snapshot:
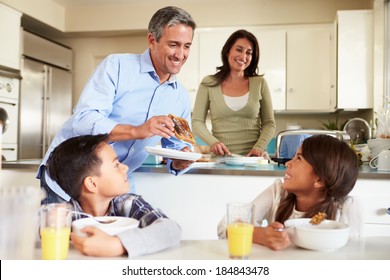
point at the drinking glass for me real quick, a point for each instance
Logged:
(55, 225)
(240, 229)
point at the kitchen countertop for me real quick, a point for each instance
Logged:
(365, 248)
(209, 168)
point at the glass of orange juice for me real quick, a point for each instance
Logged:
(55, 225)
(239, 229)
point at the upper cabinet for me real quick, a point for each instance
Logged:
(310, 70)
(188, 74)
(9, 37)
(355, 59)
(298, 63)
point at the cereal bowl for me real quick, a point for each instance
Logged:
(112, 228)
(327, 236)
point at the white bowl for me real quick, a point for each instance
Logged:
(327, 236)
(120, 224)
(374, 152)
(378, 142)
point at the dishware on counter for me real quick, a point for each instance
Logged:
(381, 161)
(120, 224)
(292, 139)
(240, 229)
(248, 161)
(326, 236)
(359, 130)
(174, 154)
(18, 221)
(55, 225)
(377, 145)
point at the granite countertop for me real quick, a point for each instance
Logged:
(208, 168)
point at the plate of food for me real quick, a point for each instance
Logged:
(182, 129)
(174, 154)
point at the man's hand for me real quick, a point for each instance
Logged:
(179, 164)
(157, 125)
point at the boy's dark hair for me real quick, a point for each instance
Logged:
(73, 160)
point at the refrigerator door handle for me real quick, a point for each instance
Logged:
(46, 109)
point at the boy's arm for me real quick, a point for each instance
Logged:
(98, 243)
(161, 234)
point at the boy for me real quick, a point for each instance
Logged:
(87, 168)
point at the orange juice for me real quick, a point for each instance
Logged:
(55, 243)
(240, 237)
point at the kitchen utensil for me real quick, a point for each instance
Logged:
(358, 129)
(98, 219)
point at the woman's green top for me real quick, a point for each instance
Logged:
(251, 127)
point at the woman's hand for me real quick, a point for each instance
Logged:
(97, 243)
(219, 149)
(269, 237)
(256, 153)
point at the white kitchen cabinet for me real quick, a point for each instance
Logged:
(297, 62)
(9, 37)
(189, 73)
(354, 59)
(375, 197)
(310, 85)
(272, 64)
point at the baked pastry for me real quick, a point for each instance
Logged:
(182, 129)
(318, 218)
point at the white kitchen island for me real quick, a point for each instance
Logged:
(197, 200)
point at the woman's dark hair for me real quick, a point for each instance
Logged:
(336, 164)
(75, 159)
(224, 70)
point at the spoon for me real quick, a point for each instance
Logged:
(90, 216)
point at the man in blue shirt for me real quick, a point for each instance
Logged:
(129, 97)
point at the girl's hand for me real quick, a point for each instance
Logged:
(269, 237)
(97, 243)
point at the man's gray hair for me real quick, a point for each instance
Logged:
(167, 17)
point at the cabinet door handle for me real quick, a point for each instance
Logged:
(291, 90)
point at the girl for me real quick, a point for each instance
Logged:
(318, 179)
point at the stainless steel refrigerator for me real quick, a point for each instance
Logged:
(45, 94)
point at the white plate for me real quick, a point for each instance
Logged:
(170, 153)
(237, 161)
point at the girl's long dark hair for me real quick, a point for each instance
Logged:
(224, 70)
(336, 164)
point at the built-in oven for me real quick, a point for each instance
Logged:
(9, 114)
